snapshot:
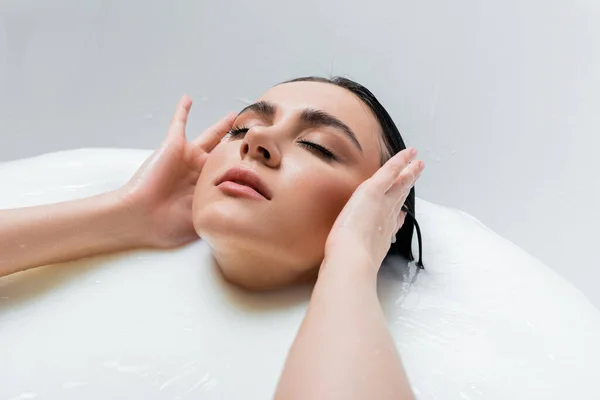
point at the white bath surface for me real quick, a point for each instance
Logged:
(484, 321)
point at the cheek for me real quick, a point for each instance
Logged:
(213, 166)
(216, 159)
(313, 200)
(216, 163)
(319, 197)
(327, 197)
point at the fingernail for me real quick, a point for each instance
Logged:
(413, 152)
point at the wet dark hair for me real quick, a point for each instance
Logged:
(393, 143)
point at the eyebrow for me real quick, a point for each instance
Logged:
(309, 116)
(262, 108)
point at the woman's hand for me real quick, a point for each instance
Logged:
(160, 193)
(373, 215)
(153, 209)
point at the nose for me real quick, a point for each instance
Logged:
(261, 146)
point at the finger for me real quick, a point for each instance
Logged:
(404, 183)
(179, 120)
(213, 135)
(385, 177)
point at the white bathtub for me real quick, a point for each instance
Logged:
(485, 320)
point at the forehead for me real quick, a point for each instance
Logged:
(341, 103)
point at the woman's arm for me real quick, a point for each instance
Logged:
(34, 236)
(343, 349)
(153, 209)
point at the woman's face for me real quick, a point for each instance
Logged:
(310, 144)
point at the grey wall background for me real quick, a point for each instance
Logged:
(502, 98)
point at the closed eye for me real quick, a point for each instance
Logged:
(321, 151)
(237, 131)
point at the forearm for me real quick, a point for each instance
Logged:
(41, 235)
(344, 349)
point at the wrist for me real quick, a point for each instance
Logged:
(355, 264)
(130, 224)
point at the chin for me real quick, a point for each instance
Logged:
(224, 220)
(249, 248)
(244, 264)
(253, 265)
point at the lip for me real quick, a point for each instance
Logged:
(243, 182)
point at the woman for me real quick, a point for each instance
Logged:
(307, 183)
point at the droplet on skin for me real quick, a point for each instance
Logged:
(379, 228)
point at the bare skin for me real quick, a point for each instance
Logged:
(153, 210)
(344, 349)
(286, 235)
(337, 214)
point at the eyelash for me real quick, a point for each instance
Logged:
(322, 151)
(237, 130)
